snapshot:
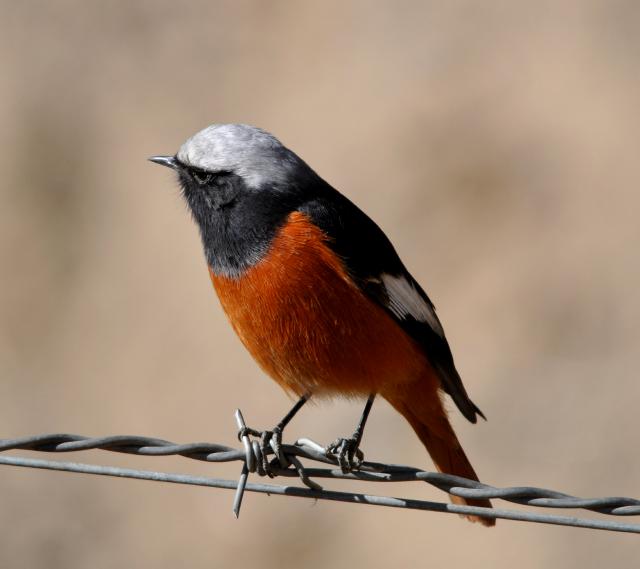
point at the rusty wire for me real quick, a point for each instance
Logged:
(308, 450)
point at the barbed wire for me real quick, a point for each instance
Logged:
(306, 449)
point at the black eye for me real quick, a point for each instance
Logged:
(201, 177)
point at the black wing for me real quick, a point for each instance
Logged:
(375, 266)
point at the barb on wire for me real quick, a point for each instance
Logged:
(308, 450)
(247, 466)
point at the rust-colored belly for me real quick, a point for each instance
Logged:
(309, 326)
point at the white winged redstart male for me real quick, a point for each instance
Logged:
(316, 292)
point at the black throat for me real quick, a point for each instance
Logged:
(237, 223)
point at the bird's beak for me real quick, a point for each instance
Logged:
(168, 161)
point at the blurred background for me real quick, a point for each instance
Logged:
(497, 145)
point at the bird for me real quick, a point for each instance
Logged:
(317, 294)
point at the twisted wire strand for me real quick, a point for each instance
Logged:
(309, 450)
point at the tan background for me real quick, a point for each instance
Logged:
(495, 142)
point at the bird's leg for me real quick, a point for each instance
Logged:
(347, 451)
(273, 439)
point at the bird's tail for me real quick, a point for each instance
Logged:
(426, 414)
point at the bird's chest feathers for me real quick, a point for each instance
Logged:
(303, 319)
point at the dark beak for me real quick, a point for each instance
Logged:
(168, 161)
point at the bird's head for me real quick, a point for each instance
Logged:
(240, 183)
(226, 160)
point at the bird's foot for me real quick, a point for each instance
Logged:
(268, 442)
(346, 453)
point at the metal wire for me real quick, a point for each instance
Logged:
(308, 450)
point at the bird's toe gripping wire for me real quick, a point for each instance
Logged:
(259, 449)
(346, 451)
(269, 441)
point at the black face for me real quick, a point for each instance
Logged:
(205, 191)
(237, 223)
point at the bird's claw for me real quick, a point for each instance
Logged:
(272, 440)
(268, 442)
(346, 453)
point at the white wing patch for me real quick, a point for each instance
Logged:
(405, 300)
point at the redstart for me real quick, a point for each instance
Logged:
(317, 293)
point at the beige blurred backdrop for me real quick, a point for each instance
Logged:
(497, 145)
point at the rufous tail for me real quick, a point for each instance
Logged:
(429, 420)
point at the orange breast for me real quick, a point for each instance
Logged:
(309, 326)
